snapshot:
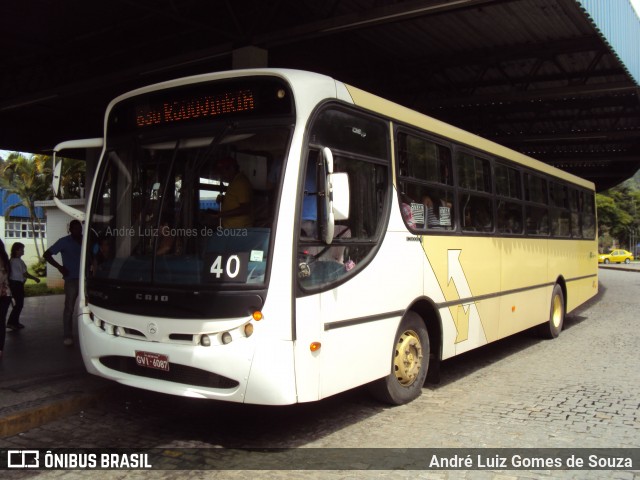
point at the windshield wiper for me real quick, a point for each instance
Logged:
(215, 143)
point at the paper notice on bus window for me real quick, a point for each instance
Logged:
(256, 256)
(417, 210)
(445, 216)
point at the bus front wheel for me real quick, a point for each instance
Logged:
(409, 363)
(553, 327)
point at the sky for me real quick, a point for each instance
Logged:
(635, 3)
(5, 153)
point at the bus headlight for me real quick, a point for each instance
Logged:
(205, 341)
(248, 329)
(226, 338)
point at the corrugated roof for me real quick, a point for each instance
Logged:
(619, 25)
(535, 75)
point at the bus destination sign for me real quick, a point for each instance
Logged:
(200, 103)
(200, 107)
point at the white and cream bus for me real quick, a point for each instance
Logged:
(275, 236)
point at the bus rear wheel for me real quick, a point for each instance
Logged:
(553, 327)
(409, 363)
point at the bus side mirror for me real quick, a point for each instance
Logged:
(336, 196)
(56, 182)
(340, 185)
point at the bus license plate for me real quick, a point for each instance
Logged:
(152, 360)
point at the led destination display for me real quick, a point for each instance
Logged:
(193, 104)
(193, 108)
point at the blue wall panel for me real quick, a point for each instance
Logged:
(620, 26)
(18, 212)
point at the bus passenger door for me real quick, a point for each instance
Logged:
(342, 278)
(340, 269)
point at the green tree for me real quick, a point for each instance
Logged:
(72, 177)
(619, 214)
(29, 179)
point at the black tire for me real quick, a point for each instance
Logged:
(606, 260)
(409, 363)
(553, 327)
(627, 261)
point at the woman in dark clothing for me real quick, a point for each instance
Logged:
(19, 275)
(5, 293)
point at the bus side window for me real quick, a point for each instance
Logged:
(509, 218)
(477, 215)
(437, 210)
(426, 196)
(537, 212)
(360, 146)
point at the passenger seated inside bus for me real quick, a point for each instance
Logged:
(236, 204)
(476, 215)
(509, 224)
(412, 212)
(437, 212)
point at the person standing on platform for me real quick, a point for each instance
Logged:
(19, 275)
(5, 293)
(69, 248)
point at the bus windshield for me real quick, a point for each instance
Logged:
(193, 211)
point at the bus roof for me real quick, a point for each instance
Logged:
(403, 114)
(379, 105)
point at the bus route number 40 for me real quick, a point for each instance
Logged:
(227, 267)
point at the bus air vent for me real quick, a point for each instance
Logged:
(181, 337)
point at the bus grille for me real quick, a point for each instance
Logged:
(177, 373)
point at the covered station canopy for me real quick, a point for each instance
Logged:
(555, 79)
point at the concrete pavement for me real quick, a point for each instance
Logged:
(41, 379)
(629, 267)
